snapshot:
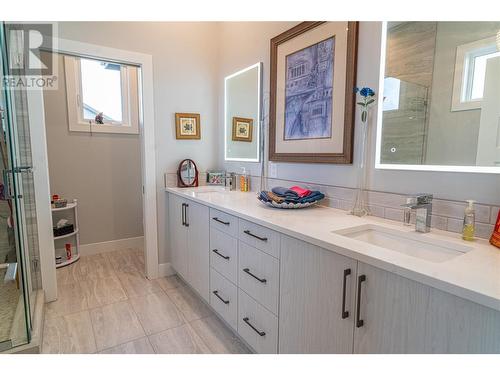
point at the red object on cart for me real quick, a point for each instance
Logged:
(68, 251)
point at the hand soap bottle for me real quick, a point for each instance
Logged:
(244, 180)
(469, 221)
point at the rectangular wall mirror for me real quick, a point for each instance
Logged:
(441, 97)
(242, 106)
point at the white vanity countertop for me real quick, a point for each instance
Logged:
(474, 275)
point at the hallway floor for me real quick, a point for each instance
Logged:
(106, 305)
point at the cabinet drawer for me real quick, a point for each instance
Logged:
(258, 275)
(260, 237)
(224, 298)
(224, 254)
(224, 222)
(257, 326)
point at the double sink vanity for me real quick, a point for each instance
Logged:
(321, 281)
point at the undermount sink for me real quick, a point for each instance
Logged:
(409, 243)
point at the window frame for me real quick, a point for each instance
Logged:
(130, 100)
(462, 80)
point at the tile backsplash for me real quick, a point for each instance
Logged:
(446, 214)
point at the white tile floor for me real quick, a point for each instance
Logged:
(106, 305)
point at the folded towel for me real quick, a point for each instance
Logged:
(264, 197)
(284, 192)
(313, 197)
(275, 197)
(269, 197)
(300, 191)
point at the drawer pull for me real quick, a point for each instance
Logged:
(183, 214)
(216, 293)
(345, 314)
(219, 254)
(220, 221)
(255, 236)
(247, 270)
(260, 333)
(186, 218)
(359, 322)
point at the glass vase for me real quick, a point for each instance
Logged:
(360, 206)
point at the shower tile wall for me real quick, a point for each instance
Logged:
(410, 58)
(28, 186)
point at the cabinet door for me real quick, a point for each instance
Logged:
(393, 311)
(403, 316)
(456, 325)
(197, 218)
(178, 235)
(312, 286)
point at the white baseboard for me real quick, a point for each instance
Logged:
(107, 246)
(165, 269)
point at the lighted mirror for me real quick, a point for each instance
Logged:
(440, 108)
(242, 114)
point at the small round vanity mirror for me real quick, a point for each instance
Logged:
(187, 174)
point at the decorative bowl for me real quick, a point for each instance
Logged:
(290, 205)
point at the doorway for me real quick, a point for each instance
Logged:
(146, 130)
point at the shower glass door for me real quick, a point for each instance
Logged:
(18, 247)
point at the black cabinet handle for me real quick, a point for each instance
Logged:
(345, 314)
(255, 236)
(186, 215)
(260, 333)
(216, 293)
(220, 221)
(183, 214)
(247, 270)
(219, 254)
(359, 322)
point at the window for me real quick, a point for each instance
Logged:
(392, 88)
(97, 75)
(102, 96)
(470, 73)
(477, 73)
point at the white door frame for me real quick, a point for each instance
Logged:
(38, 142)
(147, 131)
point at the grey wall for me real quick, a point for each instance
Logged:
(102, 171)
(245, 43)
(452, 136)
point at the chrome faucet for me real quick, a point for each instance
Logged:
(422, 204)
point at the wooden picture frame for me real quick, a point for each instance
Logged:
(344, 154)
(187, 126)
(238, 121)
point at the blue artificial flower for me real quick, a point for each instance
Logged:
(356, 90)
(366, 91)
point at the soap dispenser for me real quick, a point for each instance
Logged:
(469, 221)
(244, 180)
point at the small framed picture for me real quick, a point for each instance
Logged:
(215, 177)
(187, 126)
(242, 129)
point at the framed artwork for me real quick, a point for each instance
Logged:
(215, 177)
(187, 126)
(312, 99)
(242, 129)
